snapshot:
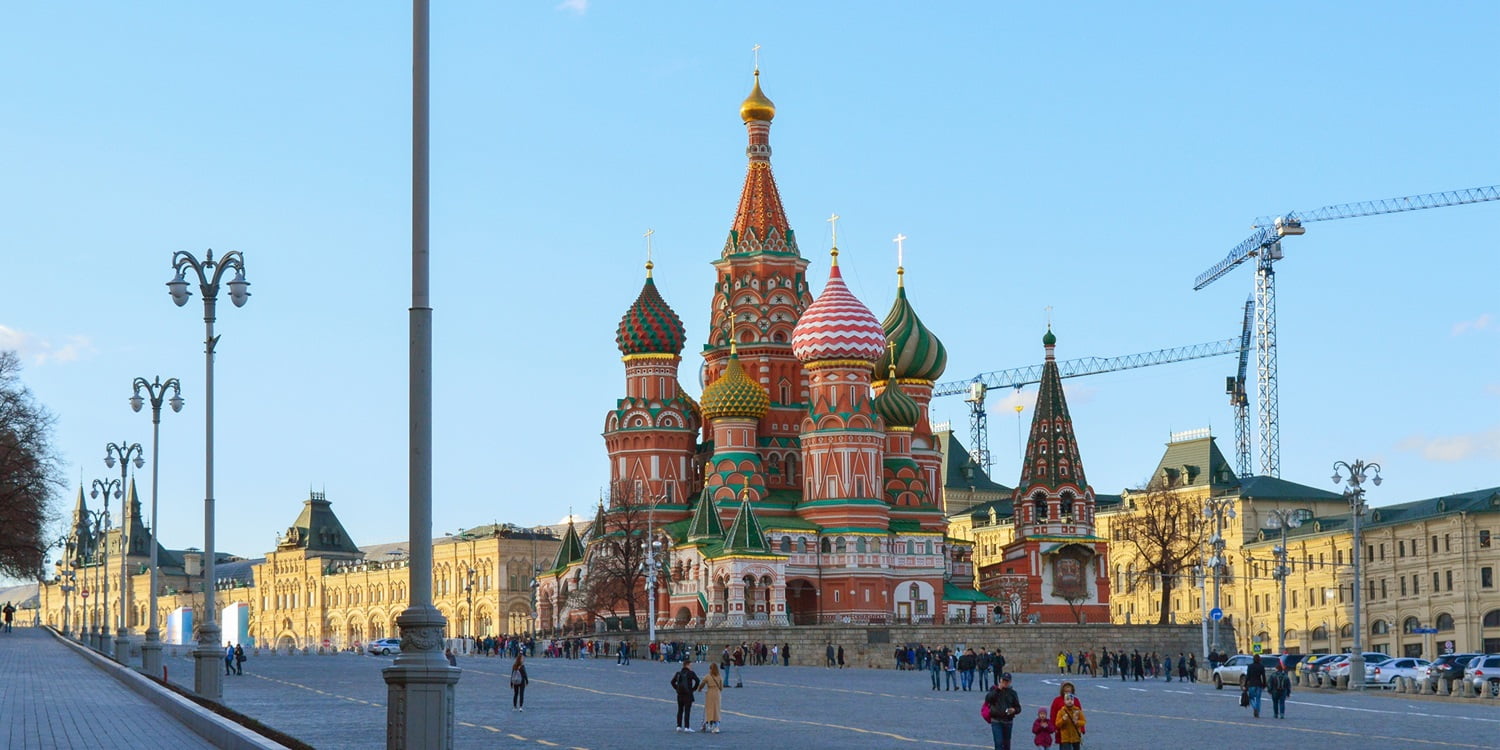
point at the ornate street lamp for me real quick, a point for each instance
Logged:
(1282, 519)
(206, 680)
(98, 634)
(125, 452)
(1216, 508)
(1355, 494)
(155, 391)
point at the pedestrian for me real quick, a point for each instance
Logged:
(830, 656)
(1004, 705)
(1255, 682)
(1064, 692)
(985, 663)
(841, 657)
(950, 668)
(739, 665)
(713, 691)
(786, 654)
(1122, 662)
(1279, 685)
(518, 681)
(685, 682)
(239, 659)
(452, 657)
(1062, 663)
(966, 666)
(1070, 724)
(10, 614)
(935, 667)
(1042, 729)
(1182, 667)
(1192, 667)
(229, 659)
(1166, 667)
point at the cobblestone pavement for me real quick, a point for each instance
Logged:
(52, 697)
(339, 702)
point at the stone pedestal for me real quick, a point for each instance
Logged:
(419, 685)
(151, 655)
(208, 664)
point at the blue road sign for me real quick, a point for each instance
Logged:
(1216, 614)
(1424, 630)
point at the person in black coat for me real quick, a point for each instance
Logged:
(1004, 706)
(1255, 682)
(685, 682)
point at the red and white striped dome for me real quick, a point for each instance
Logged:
(838, 326)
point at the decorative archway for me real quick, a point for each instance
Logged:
(802, 601)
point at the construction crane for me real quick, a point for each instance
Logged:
(1235, 387)
(1265, 246)
(975, 388)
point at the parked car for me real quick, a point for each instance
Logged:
(1402, 666)
(385, 646)
(1340, 668)
(1292, 661)
(1318, 663)
(1448, 667)
(1483, 673)
(1233, 670)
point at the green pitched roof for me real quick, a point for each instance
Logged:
(317, 529)
(705, 524)
(570, 551)
(745, 534)
(954, 593)
(1194, 463)
(1273, 488)
(962, 473)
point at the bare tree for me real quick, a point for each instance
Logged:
(615, 577)
(1166, 530)
(30, 474)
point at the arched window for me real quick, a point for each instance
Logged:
(1445, 623)
(1410, 624)
(928, 547)
(827, 546)
(1039, 504)
(786, 544)
(1492, 619)
(860, 545)
(875, 546)
(840, 546)
(1067, 504)
(1320, 633)
(1380, 627)
(916, 593)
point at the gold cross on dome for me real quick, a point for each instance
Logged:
(649, 264)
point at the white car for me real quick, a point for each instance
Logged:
(385, 646)
(1232, 671)
(1402, 666)
(1483, 673)
(1373, 659)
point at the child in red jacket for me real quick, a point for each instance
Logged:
(1042, 728)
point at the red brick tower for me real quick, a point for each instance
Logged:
(1066, 565)
(652, 433)
(761, 288)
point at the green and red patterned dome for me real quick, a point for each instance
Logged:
(650, 326)
(734, 394)
(919, 353)
(895, 407)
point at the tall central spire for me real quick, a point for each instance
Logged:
(760, 224)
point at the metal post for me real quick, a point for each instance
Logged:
(1355, 494)
(1281, 573)
(151, 648)
(420, 684)
(124, 451)
(1203, 600)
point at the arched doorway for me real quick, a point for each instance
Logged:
(802, 602)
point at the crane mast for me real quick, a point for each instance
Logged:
(1264, 245)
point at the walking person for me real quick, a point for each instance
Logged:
(841, 657)
(1255, 682)
(712, 688)
(738, 657)
(1182, 667)
(239, 658)
(518, 681)
(1070, 724)
(966, 665)
(1062, 663)
(935, 667)
(1042, 729)
(685, 682)
(786, 654)
(229, 659)
(830, 656)
(1192, 667)
(984, 663)
(10, 614)
(1004, 705)
(1279, 685)
(950, 668)
(1166, 667)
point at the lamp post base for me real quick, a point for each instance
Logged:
(151, 654)
(122, 645)
(208, 659)
(1356, 672)
(420, 685)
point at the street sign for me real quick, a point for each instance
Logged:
(1447, 647)
(1255, 649)
(1424, 630)
(1216, 614)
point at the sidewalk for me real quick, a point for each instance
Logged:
(52, 697)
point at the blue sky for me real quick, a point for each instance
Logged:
(1092, 158)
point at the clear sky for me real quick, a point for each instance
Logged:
(1093, 158)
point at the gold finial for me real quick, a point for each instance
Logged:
(1049, 317)
(900, 239)
(891, 373)
(733, 340)
(649, 264)
(756, 51)
(833, 220)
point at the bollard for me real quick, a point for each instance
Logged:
(1444, 686)
(1342, 683)
(1399, 685)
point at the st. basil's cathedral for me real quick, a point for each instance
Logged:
(807, 485)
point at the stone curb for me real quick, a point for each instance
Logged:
(212, 727)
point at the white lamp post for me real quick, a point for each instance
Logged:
(206, 658)
(1355, 494)
(155, 390)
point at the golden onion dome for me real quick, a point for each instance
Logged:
(756, 105)
(734, 394)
